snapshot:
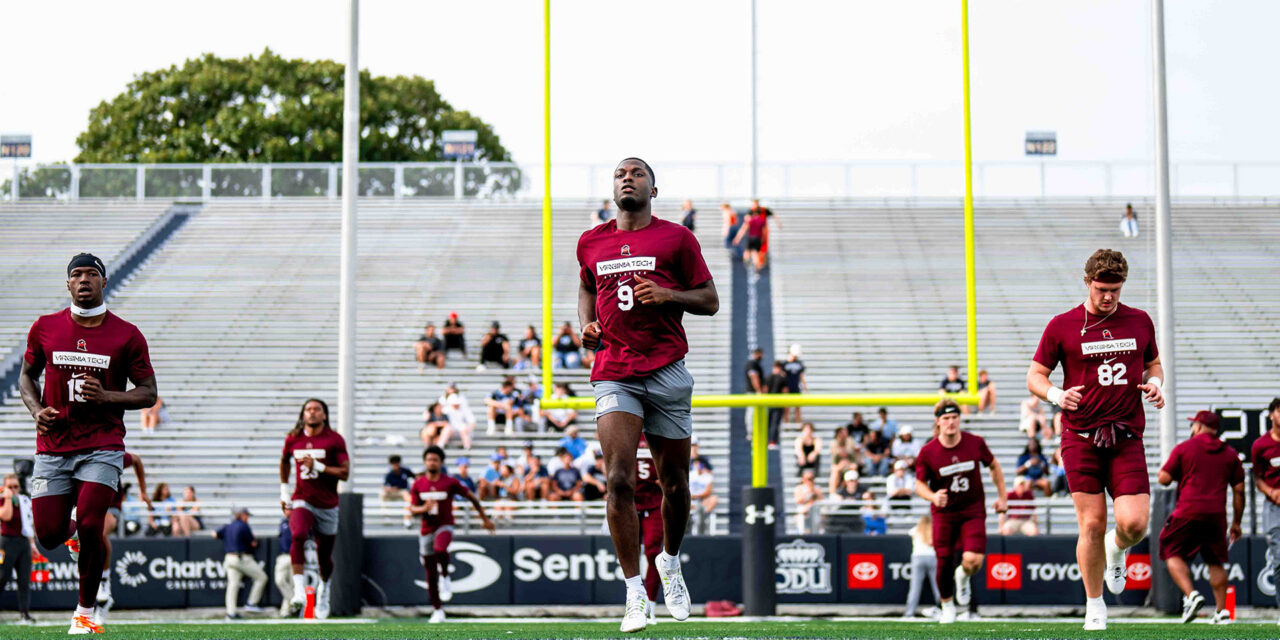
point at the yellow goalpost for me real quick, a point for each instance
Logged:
(759, 463)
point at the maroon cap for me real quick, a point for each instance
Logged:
(1206, 418)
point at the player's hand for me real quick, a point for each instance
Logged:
(1233, 534)
(591, 335)
(91, 390)
(1002, 505)
(648, 292)
(487, 524)
(308, 462)
(1152, 394)
(284, 508)
(940, 499)
(150, 507)
(45, 419)
(1070, 400)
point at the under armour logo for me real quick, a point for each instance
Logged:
(755, 513)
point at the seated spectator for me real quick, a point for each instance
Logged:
(560, 419)
(986, 393)
(1031, 421)
(841, 444)
(690, 219)
(463, 474)
(508, 490)
(900, 487)
(887, 427)
(188, 519)
(846, 518)
(876, 460)
(435, 428)
(526, 454)
(1057, 474)
(573, 444)
(1033, 466)
(702, 496)
(535, 480)
(455, 334)
(504, 407)
(594, 483)
(458, 411)
(850, 488)
(603, 214)
(806, 494)
(566, 481)
(395, 484)
(873, 517)
(1021, 516)
(567, 346)
(695, 455)
(796, 383)
(587, 460)
(776, 383)
(953, 383)
(154, 416)
(429, 349)
(530, 354)
(905, 447)
(808, 450)
(530, 402)
(489, 480)
(841, 466)
(495, 348)
(857, 428)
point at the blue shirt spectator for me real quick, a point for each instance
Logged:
(397, 476)
(286, 536)
(493, 471)
(575, 445)
(887, 426)
(236, 536)
(464, 474)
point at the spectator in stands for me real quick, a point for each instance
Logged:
(845, 518)
(238, 546)
(728, 224)
(850, 486)
(986, 393)
(429, 349)
(1034, 466)
(1021, 516)
(753, 231)
(1031, 420)
(535, 480)
(846, 455)
(504, 407)
(435, 428)
(530, 354)
(154, 416)
(508, 490)
(531, 401)
(1129, 222)
(905, 447)
(603, 214)
(689, 219)
(188, 519)
(572, 443)
(458, 411)
(900, 487)
(877, 458)
(594, 481)
(487, 483)
(887, 426)
(395, 484)
(808, 449)
(463, 474)
(755, 372)
(873, 516)
(495, 348)
(953, 383)
(567, 346)
(806, 494)
(526, 454)
(560, 419)
(702, 496)
(566, 481)
(695, 455)
(857, 428)
(924, 564)
(455, 334)
(776, 383)
(796, 382)
(1057, 474)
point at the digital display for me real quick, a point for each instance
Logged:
(1041, 143)
(12, 146)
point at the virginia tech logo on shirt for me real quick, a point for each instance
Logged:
(1109, 346)
(624, 265)
(81, 360)
(81, 345)
(626, 249)
(1106, 334)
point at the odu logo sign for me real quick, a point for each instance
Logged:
(802, 567)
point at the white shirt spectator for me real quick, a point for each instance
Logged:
(457, 410)
(699, 481)
(902, 449)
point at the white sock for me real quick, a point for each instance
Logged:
(299, 586)
(84, 611)
(323, 587)
(668, 559)
(635, 584)
(1112, 545)
(1095, 604)
(106, 574)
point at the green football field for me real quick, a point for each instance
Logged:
(669, 629)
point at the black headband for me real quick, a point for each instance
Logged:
(86, 260)
(946, 409)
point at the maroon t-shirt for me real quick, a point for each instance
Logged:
(639, 339)
(114, 352)
(1266, 459)
(317, 489)
(648, 491)
(958, 470)
(1204, 467)
(117, 501)
(442, 490)
(1020, 511)
(12, 526)
(1109, 360)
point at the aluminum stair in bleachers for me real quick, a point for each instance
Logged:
(876, 297)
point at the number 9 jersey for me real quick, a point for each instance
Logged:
(958, 470)
(638, 338)
(1109, 359)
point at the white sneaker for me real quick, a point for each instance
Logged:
(962, 587)
(253, 608)
(653, 617)
(104, 592)
(1191, 605)
(1221, 617)
(1114, 575)
(446, 589)
(674, 592)
(437, 616)
(948, 612)
(83, 625)
(634, 619)
(99, 615)
(1095, 619)
(968, 616)
(297, 604)
(322, 601)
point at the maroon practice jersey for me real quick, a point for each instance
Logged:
(441, 490)
(117, 501)
(1204, 467)
(1266, 459)
(1109, 360)
(648, 491)
(13, 526)
(317, 489)
(639, 339)
(113, 352)
(958, 470)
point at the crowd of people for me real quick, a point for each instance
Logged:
(435, 347)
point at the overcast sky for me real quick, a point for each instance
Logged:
(669, 79)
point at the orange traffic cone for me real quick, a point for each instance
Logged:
(310, 611)
(1231, 602)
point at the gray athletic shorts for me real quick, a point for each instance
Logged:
(426, 543)
(55, 475)
(115, 512)
(664, 399)
(326, 519)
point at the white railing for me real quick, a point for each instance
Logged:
(708, 180)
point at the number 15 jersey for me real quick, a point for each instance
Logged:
(958, 470)
(639, 339)
(1109, 359)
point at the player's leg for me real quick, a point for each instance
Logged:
(1130, 487)
(651, 534)
(104, 587)
(91, 511)
(1218, 582)
(52, 499)
(301, 523)
(618, 432)
(1091, 517)
(427, 553)
(326, 539)
(231, 562)
(440, 549)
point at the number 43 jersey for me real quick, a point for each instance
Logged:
(1108, 359)
(638, 338)
(958, 470)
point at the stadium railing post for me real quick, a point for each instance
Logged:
(348, 556)
(759, 585)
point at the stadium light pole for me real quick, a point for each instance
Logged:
(755, 128)
(1164, 231)
(350, 187)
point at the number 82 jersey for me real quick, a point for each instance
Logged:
(639, 339)
(957, 469)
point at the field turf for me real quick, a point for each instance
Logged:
(665, 629)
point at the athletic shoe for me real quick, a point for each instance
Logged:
(969, 616)
(253, 608)
(948, 612)
(82, 625)
(233, 617)
(1114, 574)
(1221, 617)
(962, 587)
(634, 619)
(1095, 620)
(296, 604)
(322, 601)
(674, 592)
(26, 619)
(649, 610)
(446, 589)
(99, 615)
(104, 592)
(437, 616)
(1191, 605)
(73, 546)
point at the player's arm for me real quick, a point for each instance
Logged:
(475, 502)
(141, 473)
(29, 386)
(1165, 478)
(342, 470)
(1153, 379)
(591, 330)
(1039, 386)
(6, 511)
(1237, 511)
(1265, 489)
(755, 382)
(1002, 495)
(141, 396)
(936, 498)
(701, 300)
